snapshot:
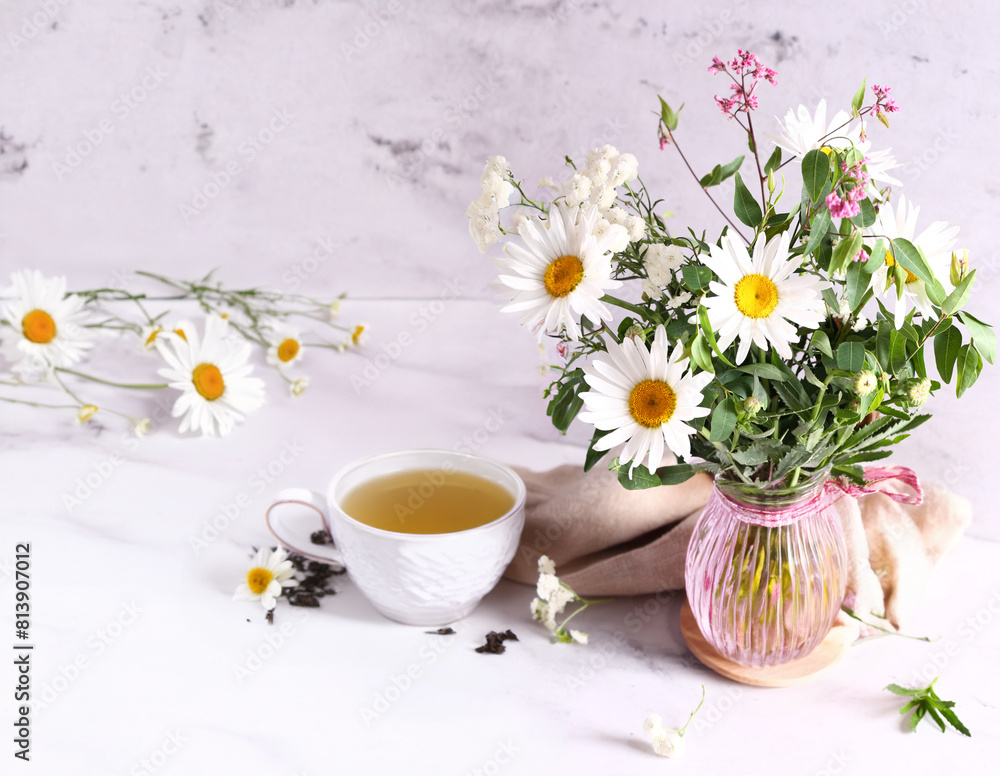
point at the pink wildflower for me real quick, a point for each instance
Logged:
(842, 208)
(717, 66)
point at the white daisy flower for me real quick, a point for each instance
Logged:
(269, 574)
(359, 335)
(213, 377)
(559, 271)
(878, 165)
(760, 299)
(802, 131)
(149, 334)
(616, 235)
(936, 242)
(285, 345)
(644, 399)
(44, 327)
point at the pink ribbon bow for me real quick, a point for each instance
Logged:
(875, 475)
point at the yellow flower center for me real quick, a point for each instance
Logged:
(356, 334)
(756, 296)
(891, 262)
(258, 579)
(208, 381)
(563, 275)
(38, 327)
(652, 403)
(288, 350)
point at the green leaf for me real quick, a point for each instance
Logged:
(815, 173)
(567, 403)
(593, 456)
(958, 298)
(946, 347)
(935, 716)
(956, 723)
(709, 334)
(701, 353)
(675, 475)
(969, 364)
(876, 258)
(668, 116)
(696, 276)
(818, 229)
(858, 100)
(936, 292)
(721, 172)
(907, 255)
(900, 690)
(794, 457)
(745, 206)
(847, 248)
(851, 356)
(897, 352)
(774, 161)
(857, 284)
(821, 341)
(764, 371)
(723, 421)
(866, 217)
(641, 478)
(982, 334)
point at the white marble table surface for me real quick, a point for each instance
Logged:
(378, 143)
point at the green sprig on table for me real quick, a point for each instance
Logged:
(925, 702)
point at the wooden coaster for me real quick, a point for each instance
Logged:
(830, 652)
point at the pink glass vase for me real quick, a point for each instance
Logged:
(766, 570)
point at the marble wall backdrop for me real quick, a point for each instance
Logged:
(251, 136)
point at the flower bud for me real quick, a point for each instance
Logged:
(85, 413)
(918, 392)
(855, 405)
(636, 332)
(959, 267)
(752, 406)
(865, 382)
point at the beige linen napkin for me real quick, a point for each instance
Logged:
(608, 541)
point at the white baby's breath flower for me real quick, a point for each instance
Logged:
(141, 426)
(269, 573)
(680, 300)
(661, 260)
(577, 190)
(579, 636)
(651, 724)
(484, 222)
(667, 743)
(333, 309)
(651, 289)
(298, 387)
(541, 611)
(636, 228)
(548, 584)
(615, 234)
(546, 565)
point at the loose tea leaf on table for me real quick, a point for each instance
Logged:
(925, 702)
(494, 642)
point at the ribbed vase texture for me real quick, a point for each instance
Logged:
(766, 573)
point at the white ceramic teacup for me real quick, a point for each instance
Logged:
(418, 579)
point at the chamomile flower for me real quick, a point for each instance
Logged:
(270, 572)
(86, 412)
(285, 345)
(359, 335)
(762, 299)
(149, 334)
(936, 242)
(213, 377)
(802, 131)
(644, 398)
(558, 271)
(44, 327)
(298, 387)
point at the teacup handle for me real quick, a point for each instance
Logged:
(284, 518)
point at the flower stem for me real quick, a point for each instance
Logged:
(138, 386)
(625, 305)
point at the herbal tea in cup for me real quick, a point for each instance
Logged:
(424, 534)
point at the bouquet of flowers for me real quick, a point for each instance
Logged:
(47, 331)
(796, 342)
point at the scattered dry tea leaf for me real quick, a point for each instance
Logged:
(441, 632)
(494, 642)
